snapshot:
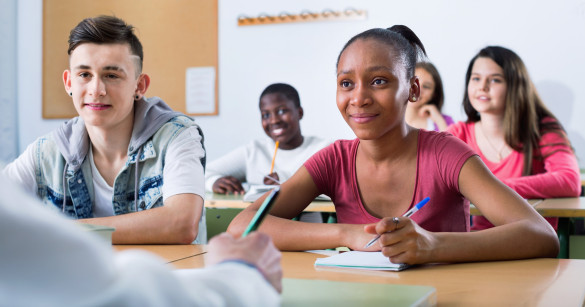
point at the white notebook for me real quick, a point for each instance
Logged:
(256, 190)
(361, 260)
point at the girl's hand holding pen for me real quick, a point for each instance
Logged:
(403, 240)
(408, 213)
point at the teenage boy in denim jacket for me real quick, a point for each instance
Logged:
(126, 161)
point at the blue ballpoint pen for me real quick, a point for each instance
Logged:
(407, 214)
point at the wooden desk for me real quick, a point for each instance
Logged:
(562, 207)
(219, 201)
(545, 282)
(291, 274)
(474, 211)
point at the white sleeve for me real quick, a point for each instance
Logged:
(62, 265)
(231, 164)
(22, 170)
(183, 171)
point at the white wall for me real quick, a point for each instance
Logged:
(8, 127)
(548, 35)
(29, 78)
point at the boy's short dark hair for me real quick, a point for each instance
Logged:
(106, 30)
(285, 89)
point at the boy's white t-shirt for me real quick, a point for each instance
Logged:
(103, 192)
(250, 163)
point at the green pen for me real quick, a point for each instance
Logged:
(262, 212)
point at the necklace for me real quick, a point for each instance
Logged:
(498, 152)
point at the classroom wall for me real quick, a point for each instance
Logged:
(8, 128)
(548, 35)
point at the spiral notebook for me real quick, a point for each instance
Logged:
(361, 260)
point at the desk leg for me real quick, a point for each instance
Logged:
(563, 231)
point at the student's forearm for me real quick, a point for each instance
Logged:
(153, 226)
(498, 243)
(560, 179)
(292, 235)
(558, 183)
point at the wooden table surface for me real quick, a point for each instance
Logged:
(213, 200)
(169, 253)
(543, 282)
(553, 207)
(533, 202)
(546, 282)
(562, 207)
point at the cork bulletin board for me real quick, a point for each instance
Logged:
(177, 36)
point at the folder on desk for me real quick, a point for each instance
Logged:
(104, 232)
(306, 292)
(361, 260)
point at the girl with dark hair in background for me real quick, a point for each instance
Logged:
(425, 112)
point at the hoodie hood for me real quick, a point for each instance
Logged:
(149, 115)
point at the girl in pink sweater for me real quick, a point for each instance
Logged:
(516, 136)
(377, 177)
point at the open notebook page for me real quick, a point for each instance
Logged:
(361, 260)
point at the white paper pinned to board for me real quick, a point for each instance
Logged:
(200, 90)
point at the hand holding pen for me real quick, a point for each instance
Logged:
(396, 220)
(272, 179)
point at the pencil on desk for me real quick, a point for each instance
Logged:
(273, 157)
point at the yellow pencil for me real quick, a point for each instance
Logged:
(273, 157)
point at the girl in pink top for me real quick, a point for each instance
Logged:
(391, 166)
(516, 136)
